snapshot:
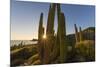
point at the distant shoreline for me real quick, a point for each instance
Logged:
(23, 42)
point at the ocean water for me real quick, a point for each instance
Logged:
(24, 42)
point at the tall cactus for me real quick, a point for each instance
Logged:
(76, 33)
(41, 29)
(61, 34)
(40, 35)
(50, 34)
(81, 35)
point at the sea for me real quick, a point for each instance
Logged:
(24, 42)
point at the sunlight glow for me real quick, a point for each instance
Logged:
(44, 36)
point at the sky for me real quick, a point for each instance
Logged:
(25, 18)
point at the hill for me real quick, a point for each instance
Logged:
(88, 34)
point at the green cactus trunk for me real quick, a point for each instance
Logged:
(62, 34)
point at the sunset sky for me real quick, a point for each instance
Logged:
(25, 18)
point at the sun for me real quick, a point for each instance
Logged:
(44, 36)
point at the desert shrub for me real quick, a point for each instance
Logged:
(22, 53)
(86, 50)
(17, 62)
(33, 59)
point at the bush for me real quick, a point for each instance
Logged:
(86, 50)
